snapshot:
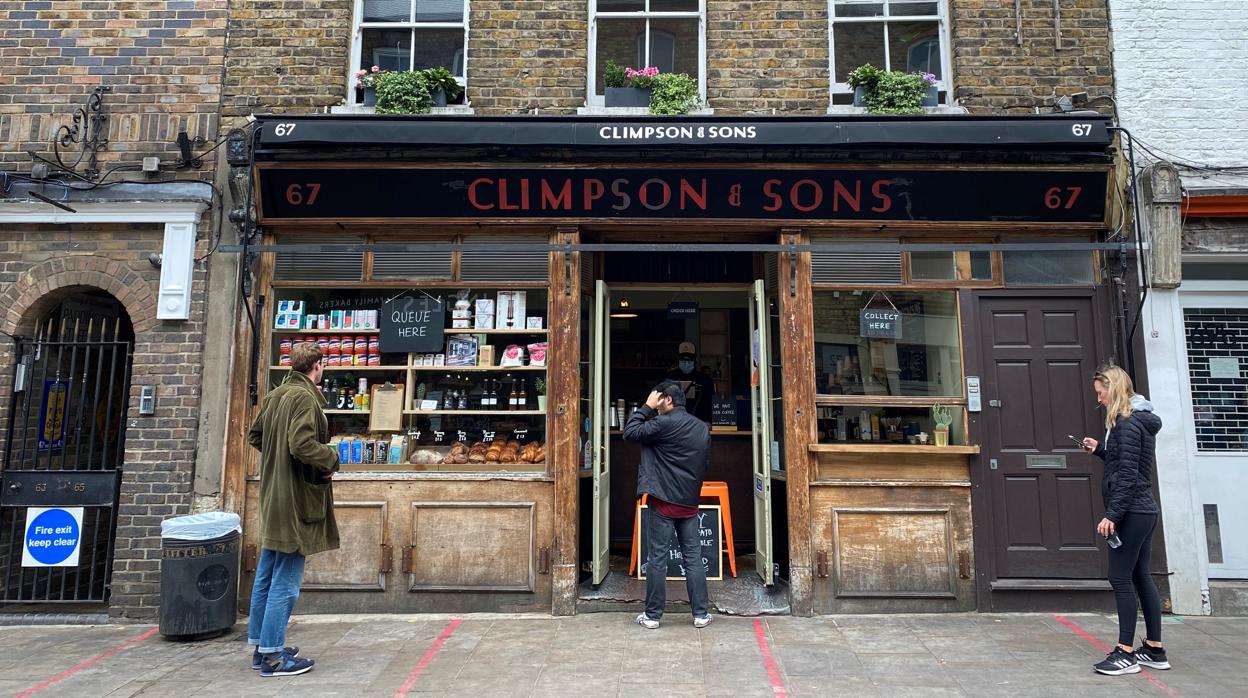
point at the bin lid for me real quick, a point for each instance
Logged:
(212, 524)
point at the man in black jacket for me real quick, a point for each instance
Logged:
(675, 452)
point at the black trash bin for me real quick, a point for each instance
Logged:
(199, 575)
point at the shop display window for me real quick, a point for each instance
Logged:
(475, 402)
(883, 361)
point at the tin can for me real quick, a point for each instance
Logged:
(333, 359)
(374, 359)
(284, 345)
(361, 346)
(334, 343)
(285, 360)
(322, 343)
(374, 345)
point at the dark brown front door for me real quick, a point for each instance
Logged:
(1039, 354)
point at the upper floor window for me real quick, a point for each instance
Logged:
(907, 35)
(411, 35)
(668, 34)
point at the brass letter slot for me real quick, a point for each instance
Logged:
(1057, 462)
(387, 560)
(821, 564)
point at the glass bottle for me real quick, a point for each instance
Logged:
(448, 400)
(513, 399)
(461, 402)
(522, 402)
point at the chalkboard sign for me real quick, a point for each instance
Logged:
(710, 534)
(880, 324)
(724, 413)
(412, 324)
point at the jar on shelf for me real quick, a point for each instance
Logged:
(284, 345)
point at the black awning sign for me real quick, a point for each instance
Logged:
(879, 324)
(572, 193)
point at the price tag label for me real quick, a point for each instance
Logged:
(438, 436)
(521, 434)
(462, 435)
(487, 436)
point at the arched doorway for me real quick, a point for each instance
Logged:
(64, 429)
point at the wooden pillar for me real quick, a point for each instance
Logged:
(797, 393)
(564, 419)
(238, 453)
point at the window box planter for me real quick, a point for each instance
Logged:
(627, 97)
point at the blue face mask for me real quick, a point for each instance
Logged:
(685, 366)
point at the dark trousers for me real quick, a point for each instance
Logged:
(1128, 573)
(659, 531)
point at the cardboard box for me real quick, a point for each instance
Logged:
(461, 350)
(485, 355)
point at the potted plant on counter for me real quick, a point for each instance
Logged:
(539, 384)
(404, 92)
(942, 418)
(442, 86)
(626, 87)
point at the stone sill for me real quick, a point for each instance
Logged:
(632, 111)
(845, 109)
(359, 109)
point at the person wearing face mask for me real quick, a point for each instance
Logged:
(699, 388)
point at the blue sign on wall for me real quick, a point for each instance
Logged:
(53, 537)
(52, 416)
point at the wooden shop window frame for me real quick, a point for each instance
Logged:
(962, 266)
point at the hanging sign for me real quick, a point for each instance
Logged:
(52, 415)
(53, 537)
(682, 310)
(877, 323)
(412, 324)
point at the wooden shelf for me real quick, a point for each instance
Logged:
(479, 369)
(463, 331)
(877, 447)
(353, 368)
(326, 332)
(886, 400)
(477, 412)
(363, 412)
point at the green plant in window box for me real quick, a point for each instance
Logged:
(442, 85)
(405, 92)
(892, 91)
(942, 418)
(673, 93)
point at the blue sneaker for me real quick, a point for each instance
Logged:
(257, 659)
(285, 665)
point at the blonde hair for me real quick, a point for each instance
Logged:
(1120, 389)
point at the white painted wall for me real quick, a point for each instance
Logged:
(1179, 74)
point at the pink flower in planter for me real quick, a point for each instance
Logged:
(359, 85)
(376, 69)
(360, 73)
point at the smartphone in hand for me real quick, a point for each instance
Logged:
(1077, 440)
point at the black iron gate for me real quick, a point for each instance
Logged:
(63, 450)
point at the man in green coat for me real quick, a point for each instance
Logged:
(296, 506)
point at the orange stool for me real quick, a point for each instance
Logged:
(717, 491)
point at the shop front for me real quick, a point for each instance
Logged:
(888, 324)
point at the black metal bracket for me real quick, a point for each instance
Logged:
(87, 134)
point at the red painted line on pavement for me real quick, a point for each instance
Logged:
(769, 661)
(1152, 678)
(87, 664)
(432, 652)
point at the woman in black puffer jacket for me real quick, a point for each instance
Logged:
(1130, 453)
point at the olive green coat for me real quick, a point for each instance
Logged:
(296, 500)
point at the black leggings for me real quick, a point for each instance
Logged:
(1128, 573)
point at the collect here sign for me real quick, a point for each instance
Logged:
(53, 537)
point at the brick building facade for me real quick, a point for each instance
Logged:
(161, 64)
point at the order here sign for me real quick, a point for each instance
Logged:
(53, 537)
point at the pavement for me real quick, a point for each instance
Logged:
(605, 654)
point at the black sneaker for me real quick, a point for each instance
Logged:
(1153, 657)
(285, 665)
(257, 659)
(1117, 663)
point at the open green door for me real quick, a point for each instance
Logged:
(600, 426)
(761, 431)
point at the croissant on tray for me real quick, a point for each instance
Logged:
(493, 453)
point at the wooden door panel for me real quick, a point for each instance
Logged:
(1040, 354)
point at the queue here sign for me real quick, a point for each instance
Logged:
(53, 537)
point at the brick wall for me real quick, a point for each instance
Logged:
(767, 54)
(162, 60)
(39, 266)
(1178, 81)
(1217, 356)
(993, 73)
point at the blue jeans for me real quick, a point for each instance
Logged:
(278, 576)
(659, 531)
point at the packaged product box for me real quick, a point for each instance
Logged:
(483, 322)
(485, 355)
(461, 350)
(357, 451)
(509, 313)
(534, 323)
(398, 449)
